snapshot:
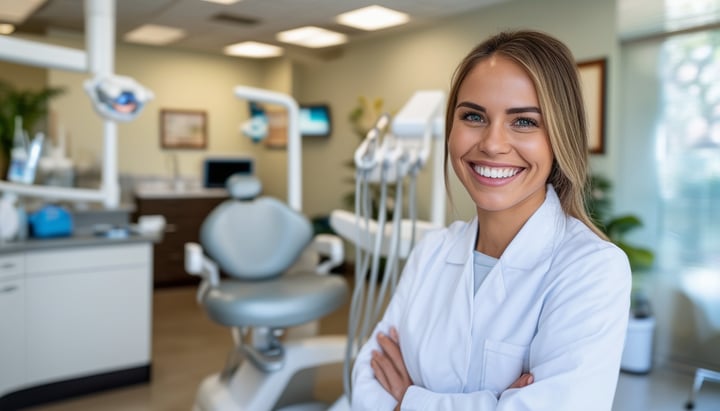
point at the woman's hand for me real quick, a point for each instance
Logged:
(522, 381)
(389, 367)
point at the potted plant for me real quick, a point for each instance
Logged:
(637, 353)
(30, 105)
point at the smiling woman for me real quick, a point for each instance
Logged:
(529, 294)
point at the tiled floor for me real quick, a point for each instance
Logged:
(187, 347)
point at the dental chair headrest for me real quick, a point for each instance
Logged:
(243, 186)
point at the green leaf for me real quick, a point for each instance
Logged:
(617, 227)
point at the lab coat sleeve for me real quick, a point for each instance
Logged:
(575, 354)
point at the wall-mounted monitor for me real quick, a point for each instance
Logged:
(315, 120)
(216, 170)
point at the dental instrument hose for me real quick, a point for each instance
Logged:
(368, 321)
(391, 262)
(362, 258)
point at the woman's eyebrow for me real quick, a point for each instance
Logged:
(514, 110)
(517, 110)
(471, 105)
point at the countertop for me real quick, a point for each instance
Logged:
(164, 190)
(88, 240)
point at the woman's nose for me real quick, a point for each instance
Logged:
(494, 140)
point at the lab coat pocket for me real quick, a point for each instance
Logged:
(503, 364)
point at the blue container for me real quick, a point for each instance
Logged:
(51, 221)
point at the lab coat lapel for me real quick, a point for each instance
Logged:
(461, 253)
(532, 248)
(530, 251)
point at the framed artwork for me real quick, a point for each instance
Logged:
(277, 128)
(592, 78)
(183, 129)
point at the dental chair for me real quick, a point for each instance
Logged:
(257, 243)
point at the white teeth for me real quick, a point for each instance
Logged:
(496, 172)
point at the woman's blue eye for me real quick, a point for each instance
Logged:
(475, 117)
(526, 122)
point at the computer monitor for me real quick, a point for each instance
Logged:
(315, 120)
(218, 169)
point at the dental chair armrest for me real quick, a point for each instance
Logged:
(196, 263)
(330, 246)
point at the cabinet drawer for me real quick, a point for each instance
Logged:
(12, 334)
(11, 265)
(88, 258)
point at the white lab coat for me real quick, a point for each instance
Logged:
(556, 304)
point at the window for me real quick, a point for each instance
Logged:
(688, 149)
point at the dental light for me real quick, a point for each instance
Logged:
(256, 128)
(117, 98)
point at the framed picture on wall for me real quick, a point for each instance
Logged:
(277, 136)
(592, 77)
(183, 129)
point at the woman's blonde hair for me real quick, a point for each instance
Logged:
(553, 71)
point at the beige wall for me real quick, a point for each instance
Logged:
(22, 77)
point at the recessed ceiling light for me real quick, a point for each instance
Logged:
(253, 49)
(373, 18)
(311, 36)
(6, 28)
(154, 34)
(223, 1)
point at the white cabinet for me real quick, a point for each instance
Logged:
(72, 312)
(12, 327)
(88, 311)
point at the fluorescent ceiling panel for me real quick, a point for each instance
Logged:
(372, 18)
(16, 11)
(154, 35)
(310, 36)
(253, 49)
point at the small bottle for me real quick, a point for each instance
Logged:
(18, 154)
(33, 158)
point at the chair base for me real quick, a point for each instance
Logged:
(250, 389)
(701, 375)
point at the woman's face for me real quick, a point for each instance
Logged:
(498, 144)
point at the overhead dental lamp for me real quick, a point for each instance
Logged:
(256, 127)
(117, 98)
